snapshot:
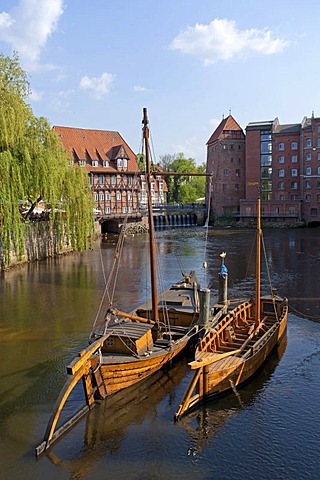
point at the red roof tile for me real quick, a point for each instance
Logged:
(86, 144)
(228, 123)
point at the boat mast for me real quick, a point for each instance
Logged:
(258, 263)
(155, 313)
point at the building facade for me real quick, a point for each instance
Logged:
(282, 166)
(118, 184)
(226, 164)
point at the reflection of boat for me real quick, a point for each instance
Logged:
(128, 347)
(109, 424)
(233, 351)
(205, 422)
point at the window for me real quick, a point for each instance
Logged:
(94, 163)
(119, 163)
(225, 172)
(308, 171)
(160, 185)
(294, 197)
(318, 128)
(101, 196)
(129, 196)
(105, 163)
(318, 142)
(281, 159)
(318, 184)
(118, 197)
(266, 160)
(125, 163)
(266, 172)
(95, 197)
(143, 186)
(101, 179)
(266, 147)
(237, 172)
(124, 209)
(130, 179)
(318, 156)
(82, 163)
(107, 210)
(265, 136)
(318, 198)
(314, 212)
(107, 196)
(294, 145)
(294, 185)
(152, 185)
(308, 143)
(308, 185)
(109, 342)
(281, 147)
(281, 172)
(281, 186)
(113, 180)
(292, 211)
(308, 157)
(236, 186)
(294, 158)
(224, 187)
(294, 172)
(281, 197)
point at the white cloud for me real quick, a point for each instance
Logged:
(139, 88)
(27, 27)
(60, 102)
(98, 86)
(222, 40)
(191, 148)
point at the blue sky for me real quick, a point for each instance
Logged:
(96, 64)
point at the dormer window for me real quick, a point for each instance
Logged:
(122, 163)
(105, 163)
(94, 163)
(82, 163)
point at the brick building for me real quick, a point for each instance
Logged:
(226, 163)
(117, 183)
(282, 165)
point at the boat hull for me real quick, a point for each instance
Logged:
(118, 375)
(224, 375)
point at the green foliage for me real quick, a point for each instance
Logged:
(35, 168)
(184, 188)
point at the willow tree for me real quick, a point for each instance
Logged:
(35, 168)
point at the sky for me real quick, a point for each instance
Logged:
(96, 64)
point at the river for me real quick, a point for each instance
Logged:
(270, 430)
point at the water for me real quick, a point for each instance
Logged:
(270, 431)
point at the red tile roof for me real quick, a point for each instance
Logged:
(86, 144)
(228, 123)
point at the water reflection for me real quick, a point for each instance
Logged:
(46, 314)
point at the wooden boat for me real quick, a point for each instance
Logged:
(235, 349)
(126, 348)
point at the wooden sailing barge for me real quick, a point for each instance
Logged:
(128, 347)
(234, 350)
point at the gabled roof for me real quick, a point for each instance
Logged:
(87, 144)
(227, 124)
